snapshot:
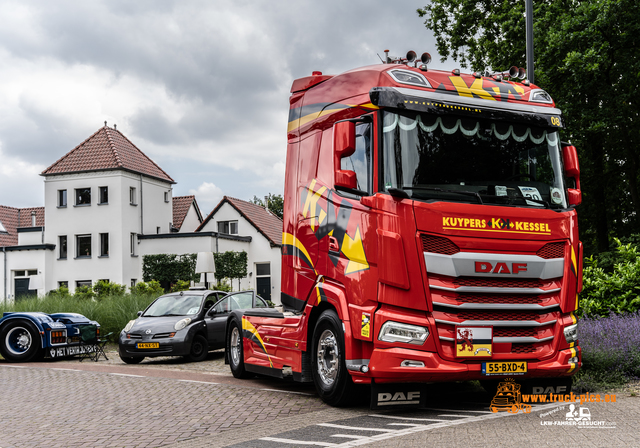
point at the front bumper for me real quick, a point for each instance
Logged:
(179, 345)
(385, 367)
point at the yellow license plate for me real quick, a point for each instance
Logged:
(148, 345)
(504, 368)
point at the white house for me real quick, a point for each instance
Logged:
(106, 206)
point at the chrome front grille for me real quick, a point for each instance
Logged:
(522, 309)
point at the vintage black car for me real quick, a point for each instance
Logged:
(187, 323)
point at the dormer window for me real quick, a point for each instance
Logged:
(83, 196)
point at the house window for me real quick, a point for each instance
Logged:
(132, 241)
(63, 283)
(32, 272)
(133, 282)
(83, 246)
(228, 227)
(104, 244)
(62, 198)
(132, 196)
(166, 196)
(104, 195)
(80, 283)
(62, 244)
(83, 196)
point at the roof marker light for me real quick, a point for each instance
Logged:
(316, 73)
(456, 72)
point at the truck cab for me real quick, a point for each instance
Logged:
(430, 233)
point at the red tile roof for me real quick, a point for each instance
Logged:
(264, 221)
(181, 205)
(12, 218)
(107, 149)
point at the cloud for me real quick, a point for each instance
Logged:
(200, 86)
(208, 196)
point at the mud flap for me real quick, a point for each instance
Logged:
(398, 396)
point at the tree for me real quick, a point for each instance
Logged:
(275, 204)
(231, 265)
(169, 268)
(587, 58)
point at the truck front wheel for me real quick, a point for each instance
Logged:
(20, 342)
(333, 382)
(235, 350)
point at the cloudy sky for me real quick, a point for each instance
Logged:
(201, 87)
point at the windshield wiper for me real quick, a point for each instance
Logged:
(463, 192)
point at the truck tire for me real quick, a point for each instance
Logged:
(330, 376)
(20, 342)
(132, 360)
(199, 349)
(235, 350)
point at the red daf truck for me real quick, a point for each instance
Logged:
(430, 234)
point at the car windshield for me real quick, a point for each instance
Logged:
(456, 158)
(185, 305)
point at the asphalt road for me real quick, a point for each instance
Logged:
(170, 403)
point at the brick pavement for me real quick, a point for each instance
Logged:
(43, 407)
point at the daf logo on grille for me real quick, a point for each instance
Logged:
(500, 268)
(148, 332)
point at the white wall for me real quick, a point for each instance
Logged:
(260, 250)
(23, 260)
(119, 218)
(191, 221)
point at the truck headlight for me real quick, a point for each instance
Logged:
(571, 333)
(182, 323)
(405, 333)
(129, 326)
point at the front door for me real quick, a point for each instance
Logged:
(263, 287)
(22, 290)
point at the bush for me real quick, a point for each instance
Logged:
(610, 351)
(169, 268)
(104, 289)
(180, 285)
(84, 293)
(147, 288)
(221, 286)
(611, 282)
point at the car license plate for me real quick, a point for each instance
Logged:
(148, 345)
(504, 368)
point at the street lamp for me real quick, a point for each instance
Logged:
(529, 30)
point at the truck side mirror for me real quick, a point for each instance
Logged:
(344, 145)
(572, 170)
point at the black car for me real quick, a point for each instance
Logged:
(186, 323)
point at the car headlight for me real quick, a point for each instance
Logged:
(571, 333)
(182, 323)
(129, 326)
(408, 334)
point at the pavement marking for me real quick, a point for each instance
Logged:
(354, 428)
(289, 392)
(70, 370)
(297, 442)
(16, 367)
(127, 374)
(417, 429)
(194, 381)
(453, 415)
(457, 410)
(346, 436)
(410, 418)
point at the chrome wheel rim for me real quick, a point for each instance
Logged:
(235, 347)
(328, 355)
(18, 340)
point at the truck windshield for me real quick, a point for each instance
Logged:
(455, 158)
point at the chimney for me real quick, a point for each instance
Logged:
(33, 219)
(266, 203)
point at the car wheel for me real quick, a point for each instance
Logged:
(235, 350)
(136, 360)
(20, 342)
(333, 382)
(199, 349)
